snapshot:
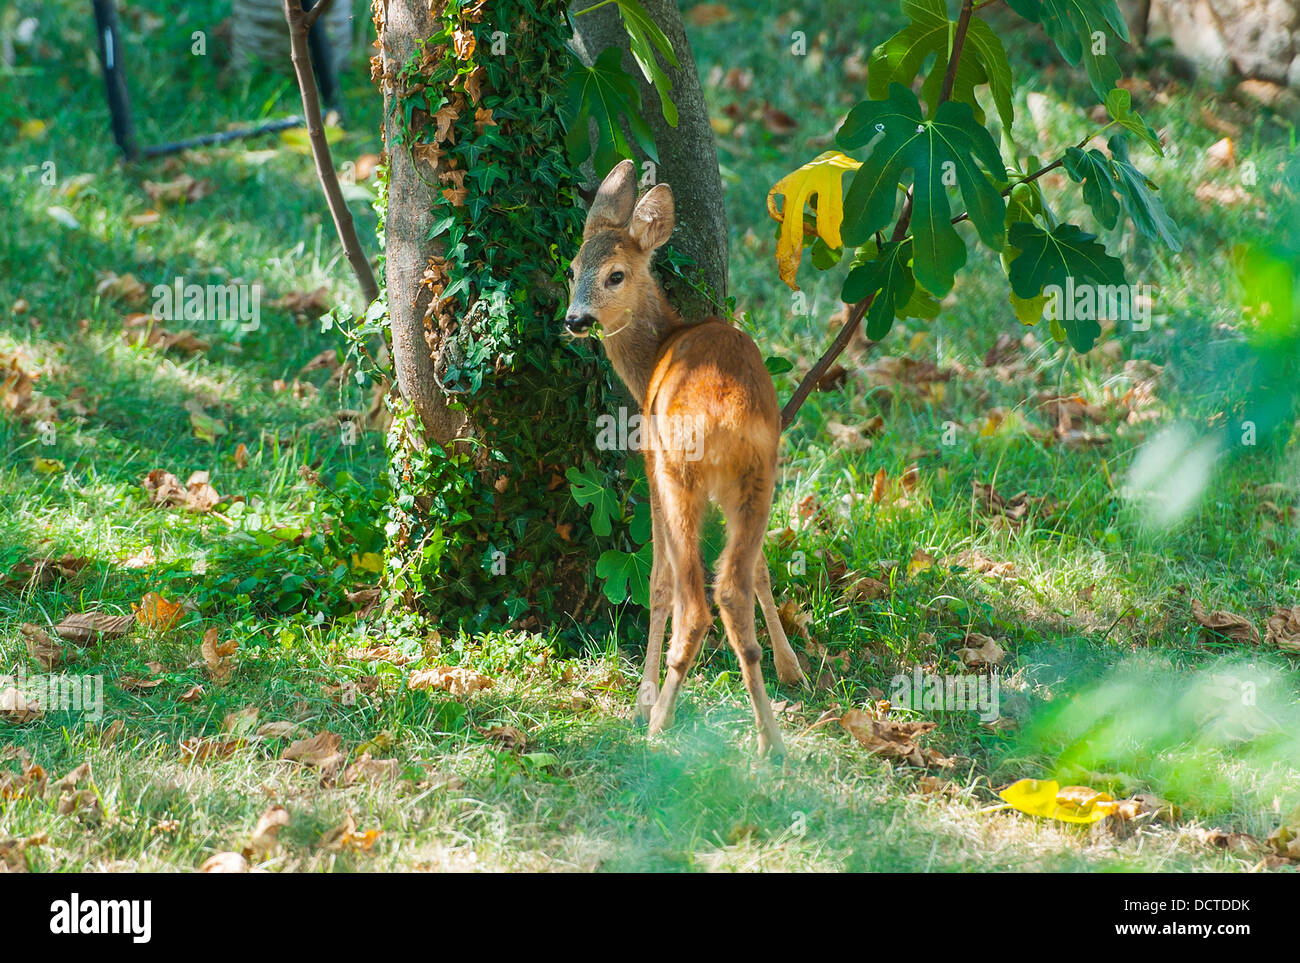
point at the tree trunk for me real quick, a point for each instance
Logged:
(485, 533)
(407, 222)
(688, 156)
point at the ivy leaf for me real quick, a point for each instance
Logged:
(604, 92)
(1067, 252)
(645, 38)
(983, 61)
(1119, 104)
(776, 366)
(626, 574)
(588, 489)
(1137, 194)
(889, 278)
(1082, 31)
(822, 177)
(941, 153)
(1093, 171)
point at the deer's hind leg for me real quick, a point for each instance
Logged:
(677, 539)
(746, 510)
(787, 663)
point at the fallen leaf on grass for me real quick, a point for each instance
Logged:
(240, 722)
(184, 188)
(320, 751)
(15, 707)
(512, 738)
(369, 769)
(1283, 630)
(987, 501)
(794, 620)
(379, 653)
(124, 287)
(980, 652)
(111, 733)
(29, 783)
(893, 739)
(266, 834)
(147, 331)
(225, 863)
(1222, 624)
(13, 852)
(278, 730)
(86, 627)
(866, 589)
(1234, 842)
(345, 836)
(216, 655)
(304, 303)
(921, 561)
(973, 561)
(45, 650)
(457, 680)
(1046, 799)
(157, 614)
(200, 749)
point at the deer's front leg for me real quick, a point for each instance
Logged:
(661, 603)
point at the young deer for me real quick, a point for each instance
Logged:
(711, 430)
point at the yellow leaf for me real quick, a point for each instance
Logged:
(157, 613)
(47, 466)
(1046, 799)
(821, 177)
(369, 562)
(32, 128)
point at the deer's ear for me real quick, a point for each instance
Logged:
(654, 218)
(614, 201)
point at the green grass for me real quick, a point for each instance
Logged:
(1106, 678)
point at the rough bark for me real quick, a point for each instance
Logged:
(688, 156)
(401, 23)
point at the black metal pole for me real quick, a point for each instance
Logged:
(110, 58)
(322, 58)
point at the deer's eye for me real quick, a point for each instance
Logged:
(568, 273)
(615, 278)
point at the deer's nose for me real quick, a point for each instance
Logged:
(579, 323)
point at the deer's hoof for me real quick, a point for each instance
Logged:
(792, 676)
(645, 701)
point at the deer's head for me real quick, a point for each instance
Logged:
(610, 283)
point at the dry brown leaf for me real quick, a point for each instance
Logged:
(980, 652)
(866, 589)
(193, 694)
(266, 834)
(279, 730)
(240, 722)
(15, 707)
(345, 836)
(321, 751)
(369, 769)
(184, 188)
(40, 646)
(1283, 630)
(86, 627)
(13, 852)
(225, 863)
(972, 560)
(125, 287)
(893, 739)
(511, 737)
(1222, 624)
(1222, 153)
(379, 653)
(794, 620)
(457, 680)
(216, 655)
(200, 749)
(112, 732)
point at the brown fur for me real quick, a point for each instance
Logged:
(713, 430)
